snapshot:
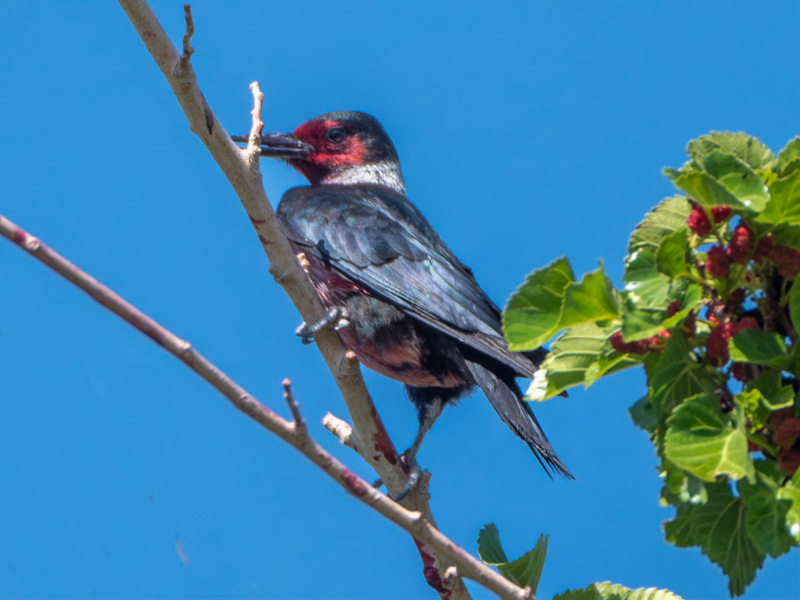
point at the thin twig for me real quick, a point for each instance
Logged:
(299, 422)
(412, 521)
(187, 37)
(342, 431)
(254, 142)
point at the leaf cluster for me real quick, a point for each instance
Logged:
(526, 571)
(709, 309)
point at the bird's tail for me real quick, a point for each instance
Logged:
(508, 400)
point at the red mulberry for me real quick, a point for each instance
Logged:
(717, 262)
(786, 261)
(717, 343)
(720, 213)
(741, 245)
(698, 221)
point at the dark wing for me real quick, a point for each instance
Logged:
(378, 239)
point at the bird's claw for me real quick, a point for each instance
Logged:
(336, 316)
(414, 474)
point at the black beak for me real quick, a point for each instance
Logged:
(279, 145)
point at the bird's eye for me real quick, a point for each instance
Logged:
(335, 135)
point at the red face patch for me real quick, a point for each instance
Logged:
(328, 152)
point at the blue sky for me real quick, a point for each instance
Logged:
(526, 130)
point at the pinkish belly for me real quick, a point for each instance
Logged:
(401, 362)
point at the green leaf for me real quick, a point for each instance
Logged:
(647, 294)
(690, 299)
(789, 154)
(671, 255)
(765, 517)
(706, 442)
(738, 178)
(784, 207)
(791, 493)
(524, 571)
(593, 299)
(708, 191)
(718, 527)
(669, 216)
(644, 285)
(758, 347)
(677, 376)
(644, 414)
(533, 311)
(569, 360)
(612, 591)
(794, 306)
(745, 147)
(678, 531)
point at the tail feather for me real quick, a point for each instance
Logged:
(508, 401)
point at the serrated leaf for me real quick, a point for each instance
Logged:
(671, 255)
(784, 206)
(758, 347)
(644, 414)
(668, 217)
(646, 295)
(606, 366)
(570, 358)
(612, 591)
(533, 312)
(678, 530)
(718, 527)
(745, 147)
(791, 493)
(765, 516)
(738, 178)
(644, 285)
(525, 570)
(592, 299)
(677, 376)
(705, 442)
(789, 154)
(708, 191)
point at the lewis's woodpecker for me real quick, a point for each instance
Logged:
(399, 297)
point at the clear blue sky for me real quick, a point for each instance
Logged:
(527, 131)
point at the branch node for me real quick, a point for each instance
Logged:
(298, 421)
(32, 244)
(185, 350)
(450, 575)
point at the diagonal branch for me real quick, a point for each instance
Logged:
(423, 532)
(240, 167)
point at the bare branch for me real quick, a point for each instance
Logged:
(426, 536)
(241, 170)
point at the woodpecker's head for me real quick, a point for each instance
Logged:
(339, 147)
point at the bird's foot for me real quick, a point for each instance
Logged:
(414, 474)
(336, 317)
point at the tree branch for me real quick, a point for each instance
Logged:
(241, 169)
(426, 536)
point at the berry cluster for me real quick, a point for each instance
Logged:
(741, 271)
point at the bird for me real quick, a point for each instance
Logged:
(397, 295)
